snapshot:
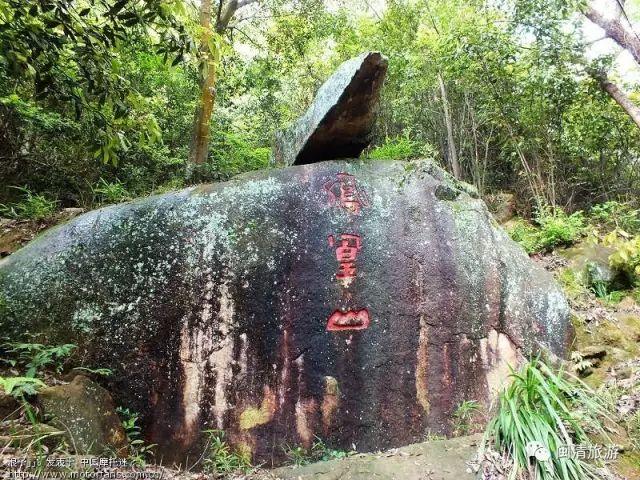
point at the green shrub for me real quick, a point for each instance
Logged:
(615, 215)
(552, 229)
(105, 193)
(400, 148)
(139, 450)
(552, 410)
(559, 229)
(32, 207)
(626, 258)
(525, 234)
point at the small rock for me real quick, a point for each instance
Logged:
(502, 205)
(68, 213)
(594, 352)
(85, 411)
(9, 406)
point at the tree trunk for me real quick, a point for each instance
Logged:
(200, 139)
(619, 96)
(204, 108)
(453, 155)
(616, 31)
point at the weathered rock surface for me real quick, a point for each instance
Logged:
(345, 300)
(435, 460)
(85, 412)
(339, 121)
(590, 262)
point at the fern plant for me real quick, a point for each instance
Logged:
(20, 387)
(36, 357)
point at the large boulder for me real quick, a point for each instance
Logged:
(360, 302)
(338, 123)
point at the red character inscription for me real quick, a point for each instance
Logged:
(349, 320)
(347, 249)
(345, 193)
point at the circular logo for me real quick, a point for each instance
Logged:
(539, 451)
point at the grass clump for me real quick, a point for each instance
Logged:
(319, 452)
(221, 458)
(464, 416)
(400, 148)
(31, 207)
(550, 410)
(105, 193)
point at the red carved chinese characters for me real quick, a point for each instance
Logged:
(345, 193)
(347, 249)
(349, 320)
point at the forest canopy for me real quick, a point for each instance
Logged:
(104, 101)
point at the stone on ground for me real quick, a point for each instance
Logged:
(85, 412)
(435, 460)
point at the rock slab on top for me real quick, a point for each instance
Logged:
(339, 122)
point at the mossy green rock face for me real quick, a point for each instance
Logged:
(348, 300)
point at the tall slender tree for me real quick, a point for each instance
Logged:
(213, 29)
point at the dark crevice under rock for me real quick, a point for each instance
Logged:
(338, 124)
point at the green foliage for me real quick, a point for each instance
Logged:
(319, 452)
(67, 52)
(614, 215)
(626, 258)
(232, 154)
(139, 450)
(525, 234)
(105, 372)
(110, 192)
(221, 458)
(36, 357)
(464, 415)
(92, 101)
(31, 207)
(559, 229)
(633, 428)
(542, 407)
(400, 148)
(20, 387)
(553, 229)
(297, 455)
